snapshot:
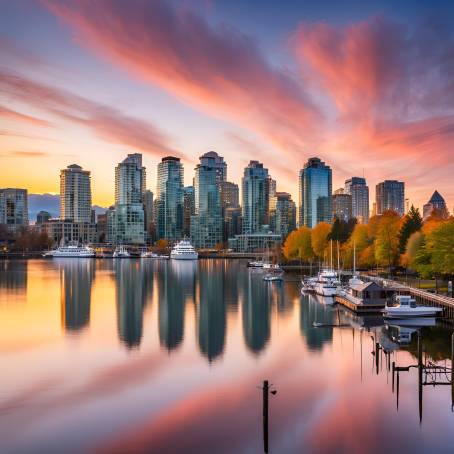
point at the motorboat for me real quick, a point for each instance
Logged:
(275, 274)
(327, 283)
(255, 264)
(308, 284)
(71, 251)
(153, 255)
(184, 250)
(121, 252)
(405, 307)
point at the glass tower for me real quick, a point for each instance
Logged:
(169, 199)
(255, 197)
(358, 189)
(315, 188)
(129, 216)
(207, 222)
(14, 207)
(390, 195)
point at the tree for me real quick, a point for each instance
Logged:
(319, 238)
(412, 223)
(341, 230)
(387, 240)
(359, 240)
(298, 245)
(440, 244)
(414, 243)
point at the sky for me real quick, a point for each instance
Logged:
(366, 86)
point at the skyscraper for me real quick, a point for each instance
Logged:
(75, 194)
(207, 223)
(282, 214)
(315, 187)
(436, 202)
(14, 207)
(149, 211)
(129, 217)
(390, 195)
(212, 159)
(358, 189)
(342, 205)
(230, 195)
(188, 209)
(169, 199)
(255, 197)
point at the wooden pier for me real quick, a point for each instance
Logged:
(359, 308)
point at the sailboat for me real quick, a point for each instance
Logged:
(327, 279)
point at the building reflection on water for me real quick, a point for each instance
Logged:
(313, 310)
(212, 310)
(256, 312)
(76, 280)
(133, 288)
(176, 282)
(13, 275)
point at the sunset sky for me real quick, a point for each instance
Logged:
(368, 86)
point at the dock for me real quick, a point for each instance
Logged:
(357, 306)
(422, 296)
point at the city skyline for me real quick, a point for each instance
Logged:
(69, 93)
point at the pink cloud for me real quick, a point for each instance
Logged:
(10, 114)
(106, 122)
(217, 70)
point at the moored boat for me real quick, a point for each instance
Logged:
(405, 307)
(71, 251)
(184, 250)
(121, 252)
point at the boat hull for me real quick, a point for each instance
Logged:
(325, 291)
(184, 256)
(409, 314)
(56, 255)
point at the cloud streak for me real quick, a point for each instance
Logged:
(105, 122)
(217, 70)
(10, 114)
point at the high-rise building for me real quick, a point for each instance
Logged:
(75, 194)
(390, 195)
(207, 222)
(188, 209)
(42, 217)
(129, 216)
(255, 187)
(230, 195)
(436, 202)
(169, 199)
(315, 188)
(14, 207)
(149, 209)
(233, 222)
(212, 159)
(282, 214)
(342, 205)
(358, 189)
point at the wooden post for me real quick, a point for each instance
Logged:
(265, 415)
(377, 357)
(393, 369)
(397, 390)
(420, 367)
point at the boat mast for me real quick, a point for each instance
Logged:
(338, 258)
(354, 257)
(331, 258)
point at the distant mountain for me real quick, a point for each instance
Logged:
(50, 203)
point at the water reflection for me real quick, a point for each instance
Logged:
(76, 280)
(13, 275)
(133, 286)
(176, 282)
(212, 310)
(256, 310)
(313, 310)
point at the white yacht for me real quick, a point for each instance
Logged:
(255, 264)
(153, 255)
(327, 283)
(184, 250)
(71, 250)
(406, 307)
(121, 252)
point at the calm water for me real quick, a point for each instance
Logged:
(166, 357)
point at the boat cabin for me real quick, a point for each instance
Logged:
(371, 293)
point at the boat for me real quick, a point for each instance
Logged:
(308, 284)
(121, 252)
(405, 307)
(255, 264)
(273, 275)
(327, 283)
(71, 250)
(184, 250)
(153, 255)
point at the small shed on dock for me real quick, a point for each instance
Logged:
(371, 293)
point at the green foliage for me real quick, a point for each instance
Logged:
(412, 223)
(341, 230)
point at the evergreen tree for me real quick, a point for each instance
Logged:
(412, 223)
